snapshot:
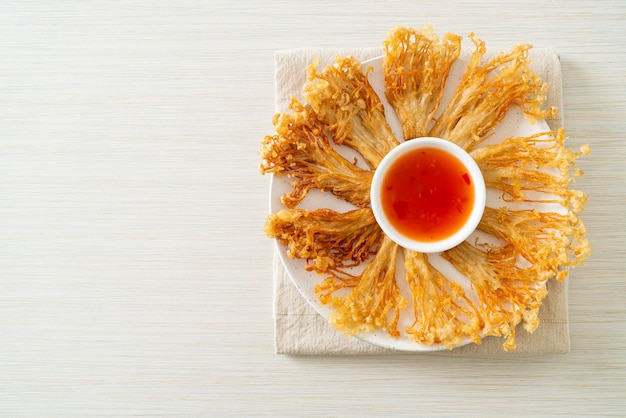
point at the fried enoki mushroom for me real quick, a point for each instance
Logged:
(302, 150)
(538, 163)
(487, 91)
(507, 292)
(507, 274)
(443, 312)
(375, 301)
(343, 98)
(415, 67)
(548, 240)
(329, 239)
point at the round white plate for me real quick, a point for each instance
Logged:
(514, 124)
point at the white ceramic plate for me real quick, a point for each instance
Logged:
(514, 124)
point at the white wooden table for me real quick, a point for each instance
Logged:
(134, 275)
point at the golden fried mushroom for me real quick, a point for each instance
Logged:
(485, 94)
(344, 99)
(416, 66)
(507, 292)
(443, 312)
(538, 163)
(330, 239)
(548, 240)
(375, 301)
(301, 150)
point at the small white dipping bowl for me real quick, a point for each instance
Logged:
(477, 182)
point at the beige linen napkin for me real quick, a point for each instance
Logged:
(300, 330)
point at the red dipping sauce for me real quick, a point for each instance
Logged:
(427, 194)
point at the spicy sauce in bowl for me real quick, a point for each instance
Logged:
(428, 194)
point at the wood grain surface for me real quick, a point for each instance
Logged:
(135, 278)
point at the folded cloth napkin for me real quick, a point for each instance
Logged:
(300, 330)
